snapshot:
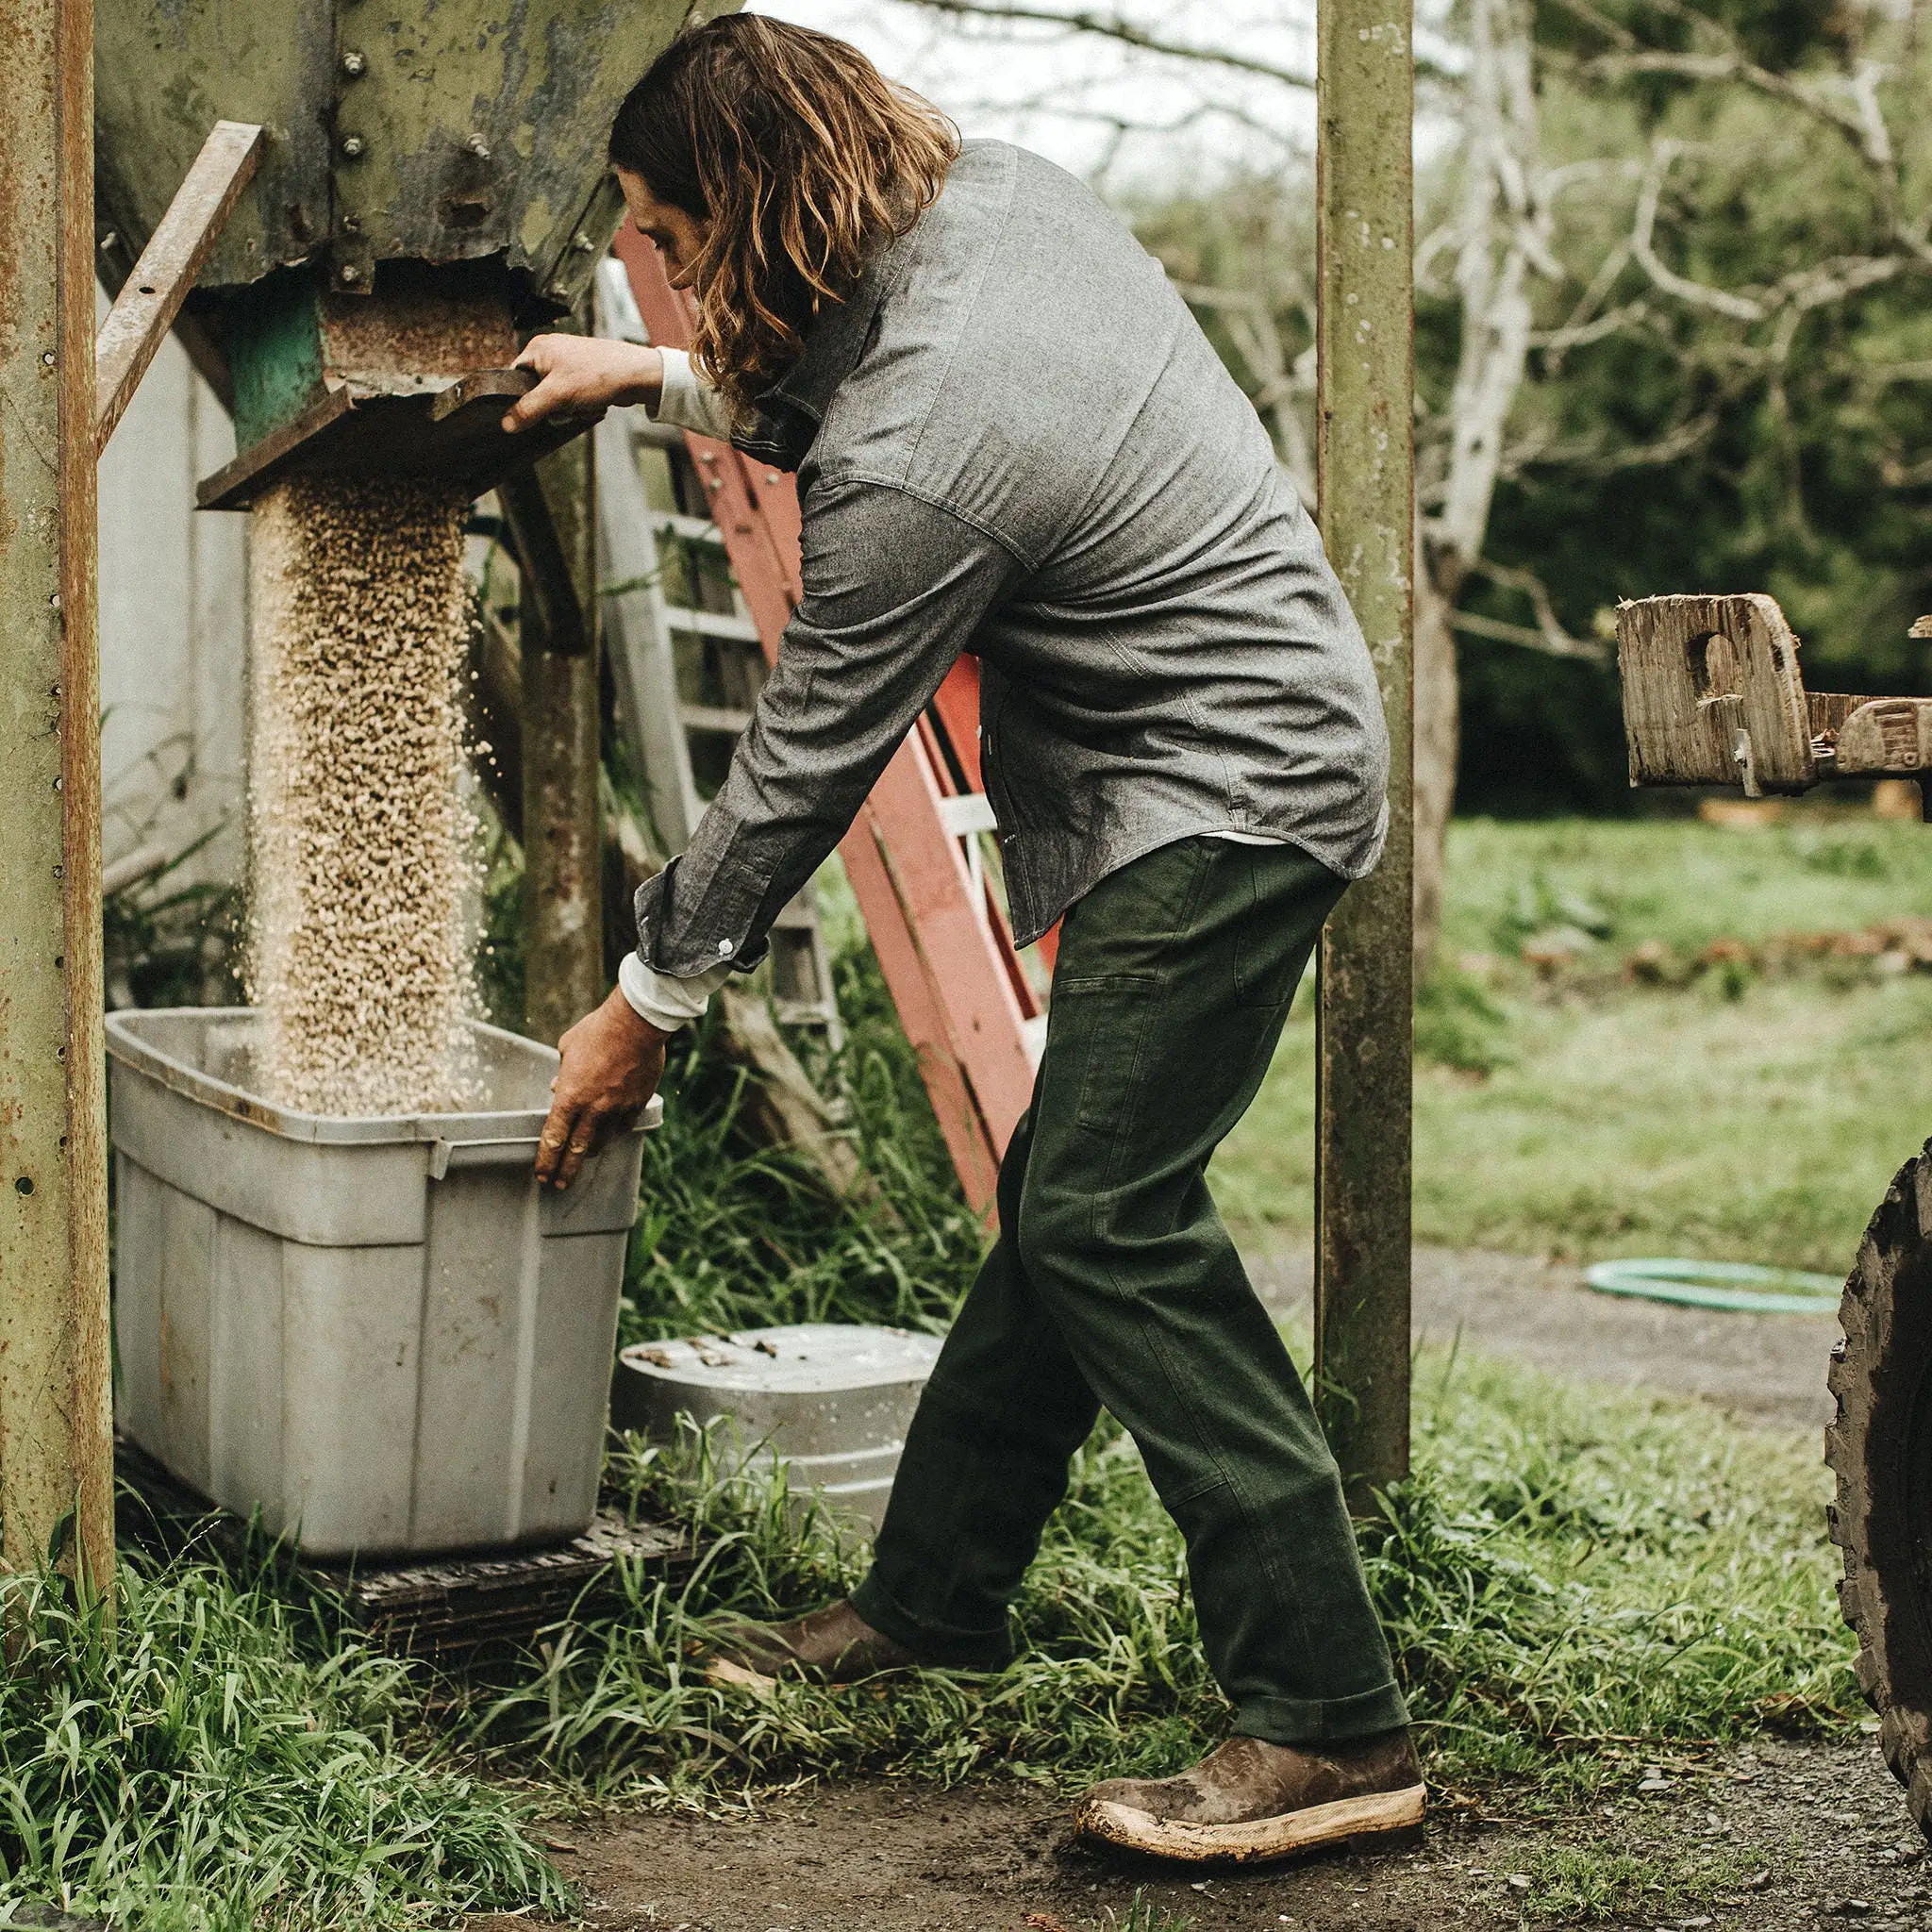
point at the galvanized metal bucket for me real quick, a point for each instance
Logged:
(833, 1400)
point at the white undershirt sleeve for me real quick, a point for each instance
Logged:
(688, 403)
(662, 999)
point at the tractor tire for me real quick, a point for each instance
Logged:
(1880, 1449)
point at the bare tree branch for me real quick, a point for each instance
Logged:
(1848, 104)
(1549, 633)
(1579, 335)
(1592, 459)
(1475, 624)
(1116, 27)
(1502, 239)
(1881, 375)
(1644, 249)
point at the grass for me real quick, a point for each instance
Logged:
(1144, 1915)
(1604, 1879)
(1572, 1583)
(731, 1236)
(210, 1764)
(1571, 1580)
(1562, 1576)
(1747, 1115)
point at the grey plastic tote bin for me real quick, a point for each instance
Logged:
(380, 1332)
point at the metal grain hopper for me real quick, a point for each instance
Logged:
(431, 189)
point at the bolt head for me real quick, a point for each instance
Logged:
(354, 64)
(476, 145)
(351, 272)
(352, 145)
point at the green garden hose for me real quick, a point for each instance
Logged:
(1733, 1284)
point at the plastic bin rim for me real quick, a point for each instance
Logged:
(126, 1044)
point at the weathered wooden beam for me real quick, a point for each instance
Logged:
(496, 716)
(55, 1446)
(551, 511)
(114, 263)
(1712, 693)
(1365, 96)
(152, 297)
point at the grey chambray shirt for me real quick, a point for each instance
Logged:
(1014, 439)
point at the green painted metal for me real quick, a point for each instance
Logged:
(443, 131)
(56, 1447)
(275, 353)
(1366, 473)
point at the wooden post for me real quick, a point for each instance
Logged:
(551, 512)
(56, 1439)
(1366, 480)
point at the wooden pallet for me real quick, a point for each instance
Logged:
(452, 1611)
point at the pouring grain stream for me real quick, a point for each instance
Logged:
(361, 847)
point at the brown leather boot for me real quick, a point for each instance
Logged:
(1250, 1801)
(835, 1645)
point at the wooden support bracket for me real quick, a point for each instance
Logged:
(1713, 695)
(1885, 736)
(151, 297)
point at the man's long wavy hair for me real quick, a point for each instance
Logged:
(803, 159)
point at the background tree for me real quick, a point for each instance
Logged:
(1672, 332)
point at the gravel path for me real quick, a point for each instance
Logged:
(1763, 1369)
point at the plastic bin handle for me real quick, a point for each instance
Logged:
(444, 1154)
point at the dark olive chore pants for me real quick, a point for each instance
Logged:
(1114, 1284)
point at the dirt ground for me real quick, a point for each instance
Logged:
(1777, 1837)
(1773, 1839)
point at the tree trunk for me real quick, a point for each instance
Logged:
(1438, 740)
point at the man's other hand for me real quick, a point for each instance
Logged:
(612, 1061)
(584, 376)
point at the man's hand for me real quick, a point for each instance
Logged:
(612, 1061)
(584, 376)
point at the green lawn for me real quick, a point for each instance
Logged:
(1744, 1115)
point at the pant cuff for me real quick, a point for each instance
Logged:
(1320, 1720)
(931, 1644)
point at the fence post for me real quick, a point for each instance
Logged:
(552, 512)
(55, 1438)
(1365, 253)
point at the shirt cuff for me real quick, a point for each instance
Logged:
(686, 403)
(664, 1001)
